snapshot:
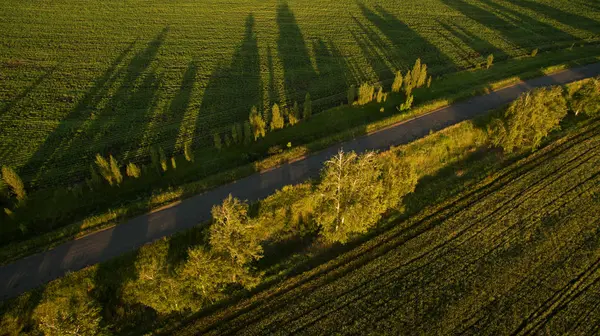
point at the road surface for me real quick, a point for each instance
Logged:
(33, 271)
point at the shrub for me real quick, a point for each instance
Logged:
(217, 141)
(248, 136)
(163, 159)
(188, 151)
(351, 94)
(115, 171)
(365, 93)
(407, 104)
(258, 123)
(397, 85)
(234, 134)
(307, 107)
(380, 95)
(529, 119)
(294, 115)
(277, 121)
(133, 170)
(490, 61)
(173, 162)
(14, 182)
(429, 82)
(587, 98)
(104, 169)
(534, 52)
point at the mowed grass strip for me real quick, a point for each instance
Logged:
(518, 253)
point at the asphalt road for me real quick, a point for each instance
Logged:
(33, 271)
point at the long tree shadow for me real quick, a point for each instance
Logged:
(297, 69)
(479, 45)
(12, 103)
(564, 17)
(407, 43)
(520, 30)
(100, 125)
(333, 72)
(376, 51)
(162, 131)
(232, 90)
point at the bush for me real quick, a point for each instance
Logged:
(407, 104)
(294, 115)
(490, 61)
(133, 170)
(14, 182)
(397, 85)
(163, 159)
(277, 121)
(258, 123)
(307, 107)
(534, 52)
(365, 93)
(529, 119)
(351, 94)
(587, 98)
(188, 152)
(217, 141)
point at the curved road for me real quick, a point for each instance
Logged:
(33, 271)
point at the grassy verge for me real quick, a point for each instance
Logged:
(326, 128)
(132, 293)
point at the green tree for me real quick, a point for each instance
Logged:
(163, 159)
(529, 119)
(69, 314)
(14, 182)
(155, 159)
(416, 73)
(95, 179)
(490, 61)
(407, 104)
(217, 140)
(227, 140)
(422, 76)
(307, 107)
(133, 170)
(398, 177)
(398, 80)
(380, 95)
(350, 195)
(248, 136)
(429, 82)
(408, 83)
(104, 169)
(351, 94)
(365, 93)
(232, 234)
(587, 98)
(173, 162)
(115, 171)
(277, 121)
(188, 152)
(294, 115)
(259, 126)
(534, 52)
(235, 136)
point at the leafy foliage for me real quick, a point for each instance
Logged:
(133, 170)
(587, 98)
(259, 125)
(366, 93)
(277, 121)
(529, 119)
(13, 181)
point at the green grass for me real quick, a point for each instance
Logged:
(518, 252)
(456, 173)
(113, 77)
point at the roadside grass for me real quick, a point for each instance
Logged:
(64, 214)
(128, 289)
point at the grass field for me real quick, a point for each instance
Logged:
(118, 77)
(80, 79)
(517, 254)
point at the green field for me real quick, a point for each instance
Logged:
(80, 78)
(519, 253)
